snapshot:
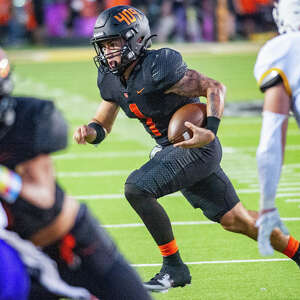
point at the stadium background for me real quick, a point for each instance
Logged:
(224, 266)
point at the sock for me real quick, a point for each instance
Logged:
(296, 257)
(173, 260)
(170, 253)
(293, 250)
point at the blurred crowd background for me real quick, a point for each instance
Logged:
(53, 22)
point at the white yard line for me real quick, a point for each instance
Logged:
(187, 223)
(231, 174)
(178, 194)
(93, 155)
(281, 184)
(283, 195)
(292, 200)
(94, 174)
(113, 196)
(236, 261)
(173, 223)
(115, 154)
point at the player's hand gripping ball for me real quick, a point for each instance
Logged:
(192, 112)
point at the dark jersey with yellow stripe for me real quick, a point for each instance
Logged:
(143, 94)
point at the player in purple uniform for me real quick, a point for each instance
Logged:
(150, 85)
(39, 210)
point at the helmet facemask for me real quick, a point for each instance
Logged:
(127, 56)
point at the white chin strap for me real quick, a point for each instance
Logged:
(269, 157)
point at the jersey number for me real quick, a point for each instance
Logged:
(149, 122)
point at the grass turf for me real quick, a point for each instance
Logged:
(72, 84)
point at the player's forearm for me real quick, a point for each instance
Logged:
(215, 106)
(12, 185)
(96, 133)
(38, 181)
(215, 100)
(269, 157)
(42, 196)
(269, 173)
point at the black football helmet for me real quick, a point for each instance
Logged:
(128, 23)
(7, 103)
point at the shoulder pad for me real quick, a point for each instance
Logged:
(271, 79)
(167, 68)
(51, 132)
(106, 83)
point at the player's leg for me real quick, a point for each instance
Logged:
(88, 257)
(270, 153)
(219, 202)
(239, 220)
(173, 272)
(168, 171)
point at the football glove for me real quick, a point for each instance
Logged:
(266, 223)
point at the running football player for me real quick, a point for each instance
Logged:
(150, 86)
(39, 210)
(277, 73)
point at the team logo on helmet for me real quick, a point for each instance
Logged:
(128, 16)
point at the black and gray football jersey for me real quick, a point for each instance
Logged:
(143, 96)
(39, 128)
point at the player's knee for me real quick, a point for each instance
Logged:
(238, 220)
(135, 195)
(229, 222)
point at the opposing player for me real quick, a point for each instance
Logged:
(151, 86)
(39, 210)
(278, 76)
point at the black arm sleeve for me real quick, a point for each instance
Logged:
(51, 130)
(167, 68)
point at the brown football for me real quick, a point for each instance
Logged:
(192, 112)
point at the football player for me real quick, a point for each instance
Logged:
(40, 211)
(278, 77)
(150, 85)
(14, 278)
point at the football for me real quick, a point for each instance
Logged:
(192, 112)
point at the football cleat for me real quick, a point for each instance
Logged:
(169, 277)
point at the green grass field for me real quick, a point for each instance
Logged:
(224, 266)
